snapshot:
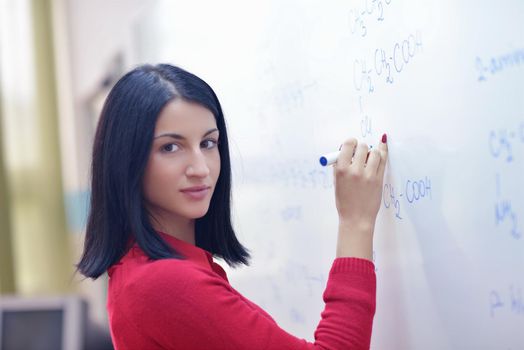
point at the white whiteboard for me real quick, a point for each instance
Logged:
(444, 79)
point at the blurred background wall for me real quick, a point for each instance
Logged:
(58, 60)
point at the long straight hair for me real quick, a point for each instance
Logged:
(123, 140)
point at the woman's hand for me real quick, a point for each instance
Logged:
(359, 180)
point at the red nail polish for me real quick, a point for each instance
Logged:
(384, 138)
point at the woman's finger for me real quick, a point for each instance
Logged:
(361, 153)
(373, 162)
(346, 154)
(383, 148)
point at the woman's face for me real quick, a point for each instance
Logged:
(184, 157)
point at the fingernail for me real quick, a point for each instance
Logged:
(384, 138)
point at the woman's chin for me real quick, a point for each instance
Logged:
(197, 214)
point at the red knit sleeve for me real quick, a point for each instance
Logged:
(179, 305)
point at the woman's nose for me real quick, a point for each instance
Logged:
(197, 165)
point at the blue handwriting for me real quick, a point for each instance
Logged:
(501, 142)
(512, 301)
(369, 9)
(497, 64)
(414, 191)
(386, 63)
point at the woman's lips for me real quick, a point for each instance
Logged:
(196, 194)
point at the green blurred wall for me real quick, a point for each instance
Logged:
(7, 283)
(39, 237)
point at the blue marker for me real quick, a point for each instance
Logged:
(331, 158)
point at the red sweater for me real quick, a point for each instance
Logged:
(189, 304)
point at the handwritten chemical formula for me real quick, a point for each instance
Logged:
(505, 212)
(510, 300)
(385, 66)
(385, 63)
(503, 141)
(504, 145)
(497, 64)
(411, 193)
(368, 10)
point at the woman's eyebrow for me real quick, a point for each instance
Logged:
(180, 137)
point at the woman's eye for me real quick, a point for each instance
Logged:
(208, 144)
(170, 147)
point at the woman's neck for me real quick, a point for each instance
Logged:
(181, 228)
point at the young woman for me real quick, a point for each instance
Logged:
(160, 212)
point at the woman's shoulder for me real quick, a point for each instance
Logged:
(153, 275)
(164, 283)
(171, 269)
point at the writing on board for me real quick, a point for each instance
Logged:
(287, 97)
(384, 66)
(298, 278)
(290, 213)
(506, 300)
(365, 121)
(504, 212)
(367, 10)
(290, 173)
(386, 63)
(411, 193)
(497, 64)
(502, 141)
